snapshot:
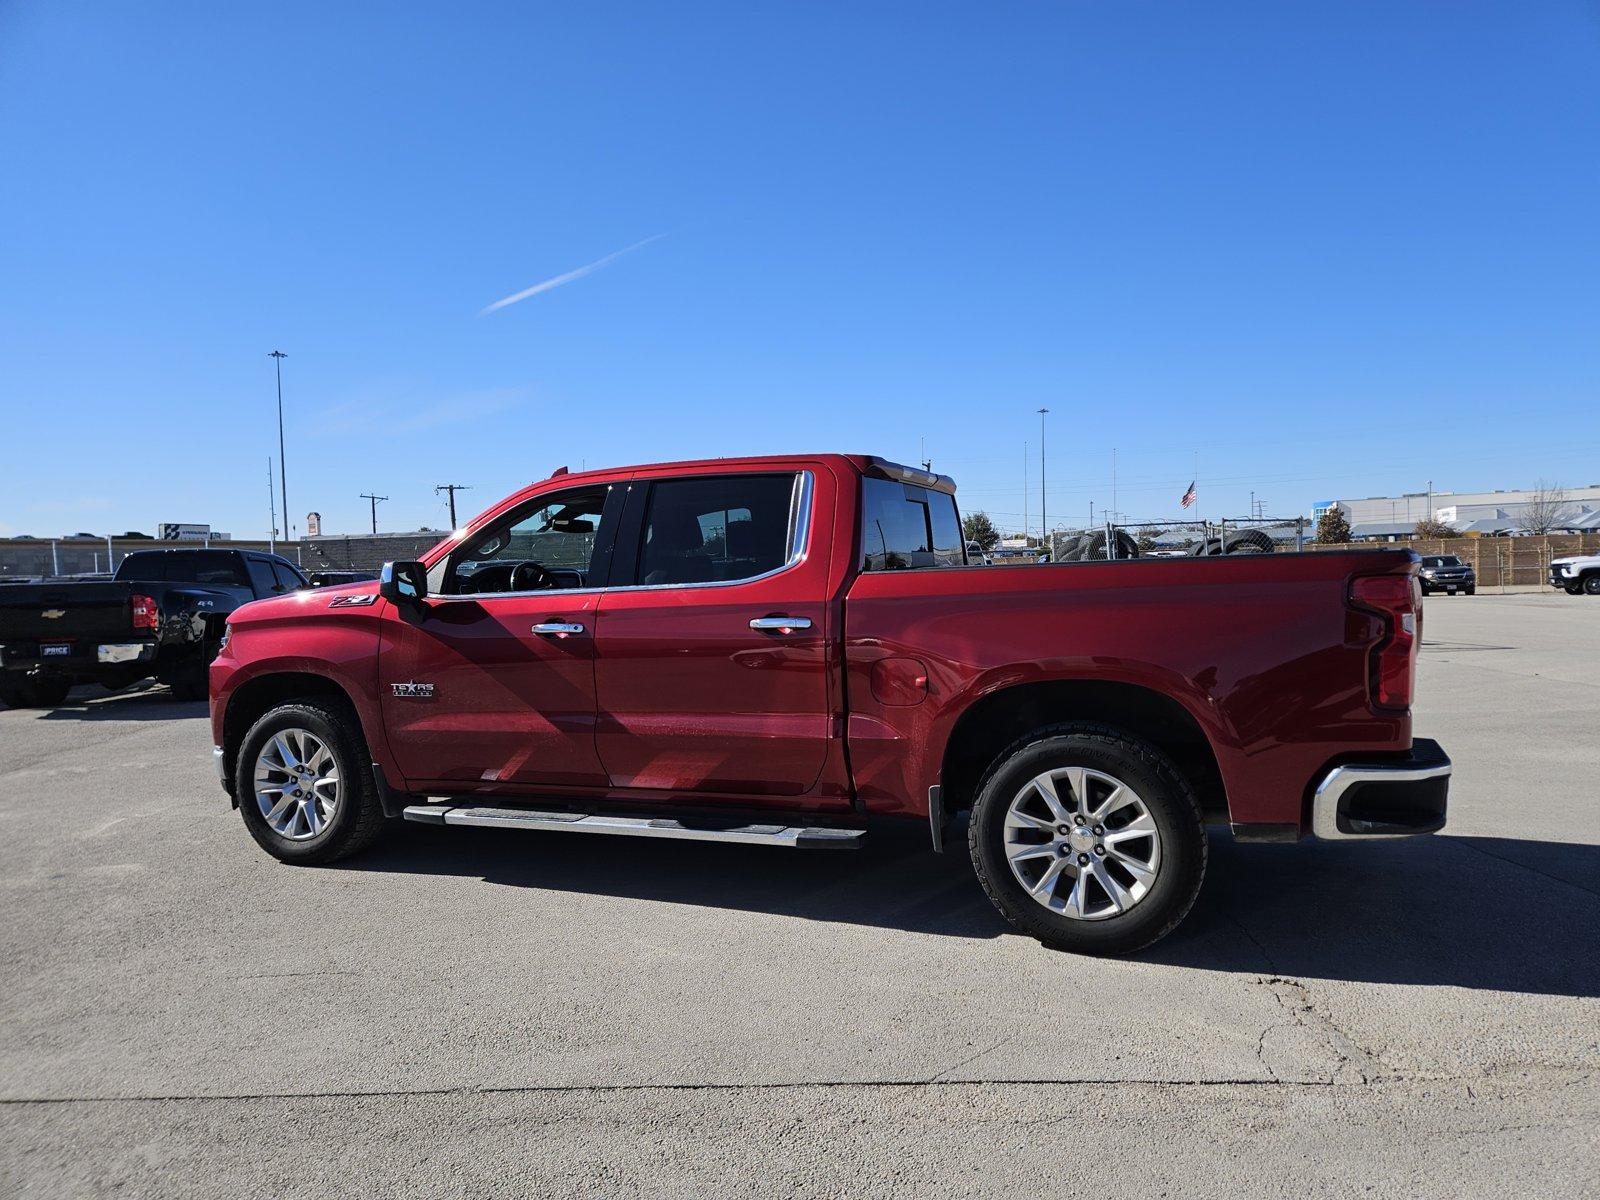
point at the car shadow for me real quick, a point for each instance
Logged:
(1490, 913)
(152, 702)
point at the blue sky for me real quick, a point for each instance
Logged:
(1319, 248)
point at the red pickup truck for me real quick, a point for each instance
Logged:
(775, 650)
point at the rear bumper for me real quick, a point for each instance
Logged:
(76, 657)
(1383, 799)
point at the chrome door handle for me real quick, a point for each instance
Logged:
(559, 628)
(780, 624)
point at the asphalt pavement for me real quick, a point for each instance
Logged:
(477, 1012)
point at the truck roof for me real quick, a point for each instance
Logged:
(865, 464)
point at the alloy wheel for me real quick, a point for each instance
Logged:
(1082, 843)
(296, 784)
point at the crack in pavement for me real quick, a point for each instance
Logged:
(595, 1089)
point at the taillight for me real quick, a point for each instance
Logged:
(1392, 662)
(144, 612)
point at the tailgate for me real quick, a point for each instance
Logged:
(65, 611)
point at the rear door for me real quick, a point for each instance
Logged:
(711, 669)
(494, 683)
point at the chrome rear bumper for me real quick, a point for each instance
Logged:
(1401, 798)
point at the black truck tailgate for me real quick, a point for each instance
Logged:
(65, 611)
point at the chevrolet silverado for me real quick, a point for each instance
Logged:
(775, 650)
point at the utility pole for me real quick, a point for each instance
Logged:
(452, 488)
(1044, 521)
(374, 499)
(272, 516)
(283, 470)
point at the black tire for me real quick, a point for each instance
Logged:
(1168, 798)
(1426, 590)
(192, 682)
(34, 692)
(358, 817)
(1070, 550)
(1471, 591)
(1249, 541)
(1573, 589)
(1093, 545)
(1591, 585)
(1205, 548)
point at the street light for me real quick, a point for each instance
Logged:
(283, 467)
(1044, 522)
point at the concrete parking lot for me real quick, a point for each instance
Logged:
(461, 1012)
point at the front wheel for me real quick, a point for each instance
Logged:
(304, 784)
(1591, 585)
(1089, 839)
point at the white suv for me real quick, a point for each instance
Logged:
(1578, 573)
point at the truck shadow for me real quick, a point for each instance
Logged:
(1490, 913)
(150, 702)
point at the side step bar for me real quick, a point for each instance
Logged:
(799, 837)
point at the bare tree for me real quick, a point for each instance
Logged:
(1545, 509)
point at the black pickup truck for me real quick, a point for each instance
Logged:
(162, 614)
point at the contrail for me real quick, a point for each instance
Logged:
(579, 273)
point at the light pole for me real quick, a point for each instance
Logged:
(1044, 522)
(283, 467)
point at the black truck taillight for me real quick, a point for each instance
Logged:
(1392, 662)
(144, 612)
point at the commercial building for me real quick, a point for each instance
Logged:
(1470, 512)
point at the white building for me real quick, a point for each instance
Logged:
(1480, 512)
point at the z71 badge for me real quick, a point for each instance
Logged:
(413, 691)
(357, 601)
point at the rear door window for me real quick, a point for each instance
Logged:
(262, 581)
(904, 527)
(717, 529)
(288, 578)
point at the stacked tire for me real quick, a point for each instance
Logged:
(1092, 546)
(1238, 541)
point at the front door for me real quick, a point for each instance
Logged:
(711, 669)
(493, 684)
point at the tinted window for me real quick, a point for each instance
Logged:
(716, 529)
(262, 581)
(548, 544)
(219, 568)
(1441, 560)
(144, 568)
(904, 526)
(289, 578)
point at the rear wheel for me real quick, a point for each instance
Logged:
(34, 692)
(304, 784)
(1089, 839)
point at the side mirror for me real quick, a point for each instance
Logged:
(404, 584)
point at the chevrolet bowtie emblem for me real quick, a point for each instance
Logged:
(53, 614)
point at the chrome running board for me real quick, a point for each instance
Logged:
(798, 837)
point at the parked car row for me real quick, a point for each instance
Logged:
(162, 615)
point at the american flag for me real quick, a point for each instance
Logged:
(1188, 497)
